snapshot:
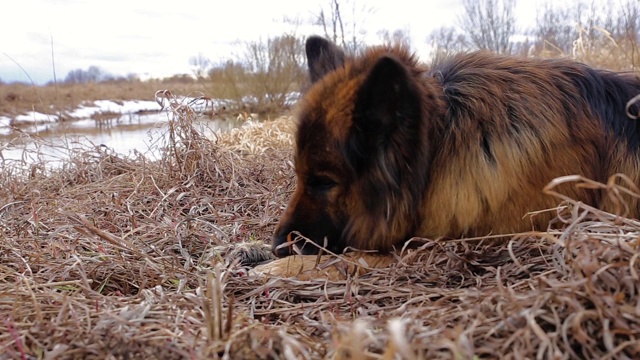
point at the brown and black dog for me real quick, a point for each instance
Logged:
(388, 149)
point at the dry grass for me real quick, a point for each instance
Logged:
(19, 98)
(115, 258)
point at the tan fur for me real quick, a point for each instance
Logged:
(310, 267)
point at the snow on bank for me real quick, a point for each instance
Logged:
(4, 121)
(108, 106)
(36, 117)
(5, 124)
(87, 110)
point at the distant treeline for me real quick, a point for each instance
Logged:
(94, 74)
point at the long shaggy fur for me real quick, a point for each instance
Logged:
(388, 148)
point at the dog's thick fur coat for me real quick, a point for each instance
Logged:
(388, 149)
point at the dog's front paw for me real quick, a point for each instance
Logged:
(329, 267)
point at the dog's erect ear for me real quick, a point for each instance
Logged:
(387, 112)
(323, 57)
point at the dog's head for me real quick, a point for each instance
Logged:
(358, 138)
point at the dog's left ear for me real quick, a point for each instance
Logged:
(323, 56)
(387, 112)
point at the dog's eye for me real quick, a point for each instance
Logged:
(320, 183)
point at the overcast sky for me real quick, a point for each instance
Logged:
(157, 37)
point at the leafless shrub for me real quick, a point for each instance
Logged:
(343, 21)
(489, 24)
(601, 34)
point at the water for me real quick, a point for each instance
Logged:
(53, 142)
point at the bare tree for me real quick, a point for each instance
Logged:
(276, 68)
(446, 41)
(92, 75)
(627, 31)
(343, 22)
(398, 36)
(629, 25)
(201, 65)
(227, 80)
(489, 24)
(562, 27)
(554, 35)
(602, 34)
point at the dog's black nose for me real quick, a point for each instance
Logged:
(280, 246)
(282, 252)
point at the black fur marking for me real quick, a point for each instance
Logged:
(607, 94)
(486, 148)
(387, 110)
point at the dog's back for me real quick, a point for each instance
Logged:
(512, 126)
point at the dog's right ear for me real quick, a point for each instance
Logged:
(323, 56)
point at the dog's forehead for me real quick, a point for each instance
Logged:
(329, 103)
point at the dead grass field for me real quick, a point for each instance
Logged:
(18, 98)
(118, 258)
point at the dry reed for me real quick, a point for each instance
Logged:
(116, 257)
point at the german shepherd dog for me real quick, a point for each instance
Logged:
(388, 149)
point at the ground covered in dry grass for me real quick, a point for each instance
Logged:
(113, 258)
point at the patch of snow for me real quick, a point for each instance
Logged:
(139, 105)
(4, 121)
(127, 107)
(5, 129)
(198, 104)
(84, 112)
(107, 105)
(250, 99)
(34, 116)
(84, 123)
(5, 126)
(221, 103)
(292, 98)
